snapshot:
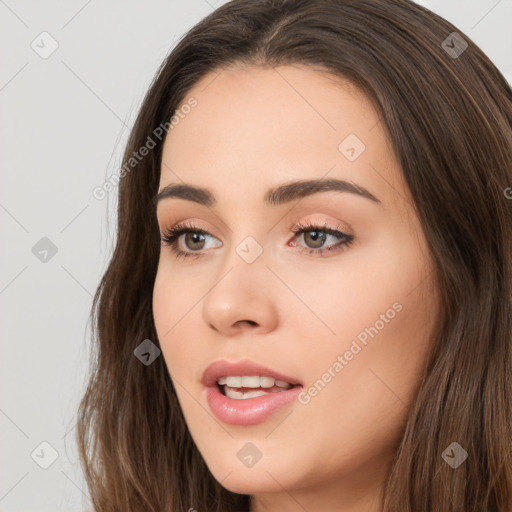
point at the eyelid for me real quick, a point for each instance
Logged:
(333, 225)
(171, 237)
(310, 223)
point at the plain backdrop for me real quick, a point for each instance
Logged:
(65, 120)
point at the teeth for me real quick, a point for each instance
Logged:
(238, 395)
(252, 381)
(237, 386)
(267, 382)
(234, 382)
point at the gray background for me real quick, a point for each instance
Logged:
(65, 120)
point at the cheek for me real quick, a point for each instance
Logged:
(377, 314)
(164, 302)
(175, 294)
(364, 397)
(171, 302)
(347, 295)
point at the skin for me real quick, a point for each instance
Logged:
(252, 129)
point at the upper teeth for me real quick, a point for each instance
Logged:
(252, 381)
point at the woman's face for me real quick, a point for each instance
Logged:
(352, 325)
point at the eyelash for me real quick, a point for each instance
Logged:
(171, 235)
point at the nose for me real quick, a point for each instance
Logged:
(241, 298)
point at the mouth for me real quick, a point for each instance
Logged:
(246, 392)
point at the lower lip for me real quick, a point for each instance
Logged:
(250, 410)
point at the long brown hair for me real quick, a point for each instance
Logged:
(448, 113)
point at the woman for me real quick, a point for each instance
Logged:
(315, 233)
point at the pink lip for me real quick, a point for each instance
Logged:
(251, 410)
(223, 368)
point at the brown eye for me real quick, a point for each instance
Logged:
(194, 240)
(316, 240)
(316, 236)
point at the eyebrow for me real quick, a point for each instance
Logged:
(279, 195)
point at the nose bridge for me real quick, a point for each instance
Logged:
(244, 264)
(238, 296)
(250, 250)
(247, 238)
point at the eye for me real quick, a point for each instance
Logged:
(193, 236)
(314, 235)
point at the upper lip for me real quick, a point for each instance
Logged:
(223, 368)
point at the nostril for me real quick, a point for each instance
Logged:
(250, 322)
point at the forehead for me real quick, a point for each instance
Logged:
(255, 126)
(284, 106)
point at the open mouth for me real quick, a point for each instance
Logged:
(251, 398)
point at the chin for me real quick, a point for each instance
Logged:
(249, 483)
(261, 478)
